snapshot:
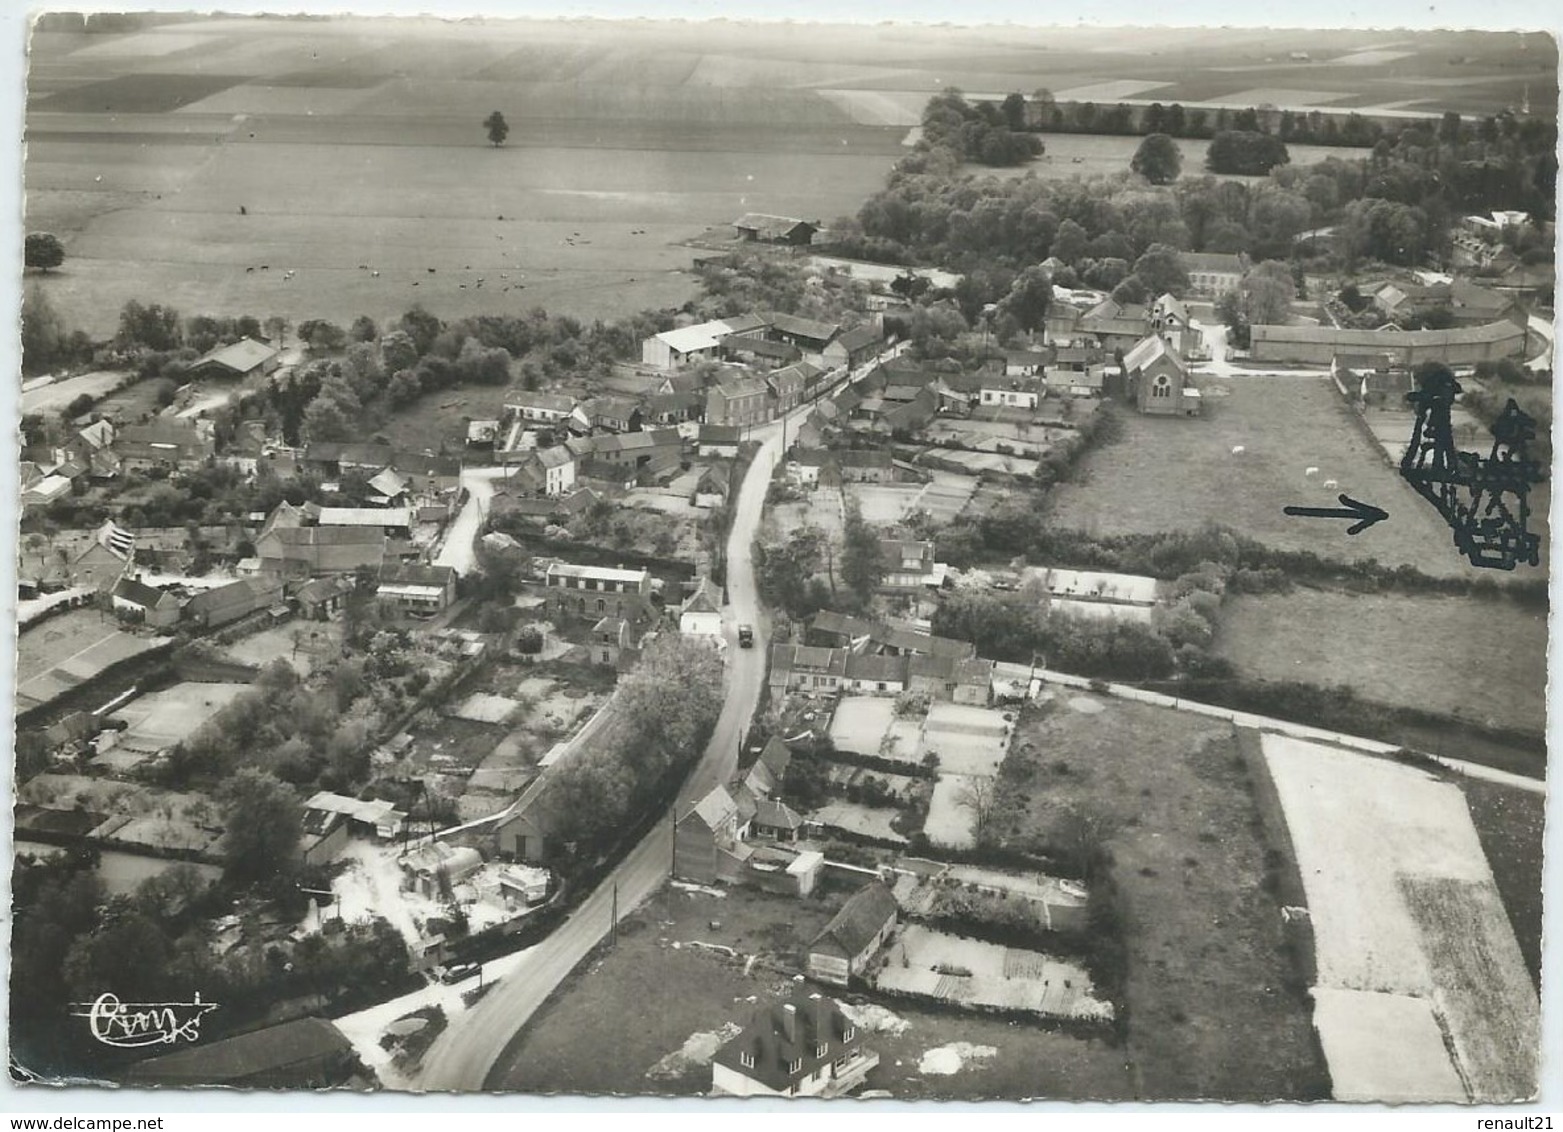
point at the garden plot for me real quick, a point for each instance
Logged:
(968, 740)
(484, 707)
(303, 645)
(158, 720)
(884, 503)
(951, 822)
(931, 964)
(946, 496)
(861, 723)
(1403, 902)
(860, 820)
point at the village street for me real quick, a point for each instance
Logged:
(462, 1058)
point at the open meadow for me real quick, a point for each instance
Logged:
(1488, 668)
(1402, 902)
(1210, 1012)
(195, 162)
(1177, 473)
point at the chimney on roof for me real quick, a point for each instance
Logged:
(790, 1022)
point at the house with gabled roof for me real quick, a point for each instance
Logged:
(226, 604)
(307, 1053)
(854, 347)
(806, 669)
(539, 407)
(708, 840)
(871, 673)
(162, 443)
(701, 613)
(802, 1047)
(241, 359)
(846, 946)
(417, 589)
(304, 552)
(763, 228)
(140, 602)
(104, 560)
(765, 776)
(739, 401)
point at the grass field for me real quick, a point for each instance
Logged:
(356, 141)
(1488, 664)
(1208, 1012)
(1512, 827)
(1402, 901)
(625, 1011)
(1175, 473)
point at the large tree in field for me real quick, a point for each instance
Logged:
(1158, 159)
(43, 251)
(498, 129)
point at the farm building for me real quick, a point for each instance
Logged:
(417, 589)
(686, 344)
(762, 228)
(391, 520)
(718, 440)
(653, 452)
(319, 598)
(308, 1053)
(162, 443)
(865, 465)
(241, 359)
(544, 408)
(362, 818)
(309, 551)
(105, 559)
(435, 868)
(1318, 345)
(525, 834)
(965, 680)
(809, 335)
(140, 602)
(847, 944)
(1025, 363)
(759, 352)
(1112, 325)
(854, 347)
(805, 464)
(872, 673)
(212, 608)
(804, 1047)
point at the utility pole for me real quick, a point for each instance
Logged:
(673, 823)
(613, 927)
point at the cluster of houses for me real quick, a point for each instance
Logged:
(844, 654)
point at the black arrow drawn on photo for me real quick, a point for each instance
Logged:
(1365, 514)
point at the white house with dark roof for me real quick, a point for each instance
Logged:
(804, 1046)
(1213, 274)
(701, 613)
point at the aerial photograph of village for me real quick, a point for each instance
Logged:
(742, 560)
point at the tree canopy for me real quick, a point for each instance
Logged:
(43, 251)
(1245, 152)
(498, 129)
(1158, 159)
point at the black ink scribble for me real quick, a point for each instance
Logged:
(1363, 515)
(1485, 500)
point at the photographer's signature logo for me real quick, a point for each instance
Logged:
(133, 1024)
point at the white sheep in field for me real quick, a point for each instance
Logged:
(1331, 484)
(1310, 471)
(1238, 450)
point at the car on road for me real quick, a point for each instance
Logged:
(746, 636)
(459, 972)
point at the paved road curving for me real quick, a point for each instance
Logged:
(466, 1054)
